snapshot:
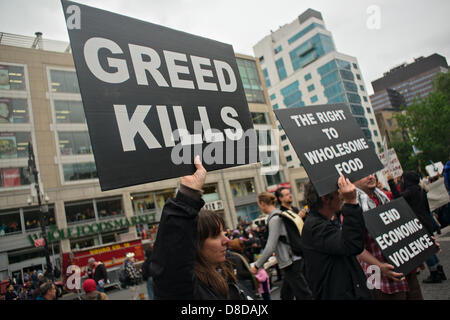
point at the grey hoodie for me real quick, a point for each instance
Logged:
(284, 254)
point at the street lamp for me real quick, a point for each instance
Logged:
(43, 208)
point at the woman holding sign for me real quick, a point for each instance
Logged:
(418, 201)
(188, 259)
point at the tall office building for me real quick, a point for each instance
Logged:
(401, 86)
(302, 67)
(40, 102)
(410, 81)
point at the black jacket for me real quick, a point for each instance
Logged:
(174, 252)
(100, 273)
(330, 251)
(416, 198)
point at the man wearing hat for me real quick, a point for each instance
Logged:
(97, 272)
(90, 288)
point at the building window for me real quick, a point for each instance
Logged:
(64, 81)
(365, 98)
(354, 98)
(368, 110)
(305, 31)
(281, 69)
(289, 158)
(266, 77)
(109, 207)
(14, 145)
(372, 121)
(13, 110)
(286, 148)
(242, 188)
(261, 59)
(308, 77)
(210, 193)
(314, 99)
(274, 179)
(79, 211)
(273, 96)
(379, 144)
(162, 197)
(14, 177)
(357, 109)
(358, 77)
(275, 106)
(375, 133)
(259, 117)
(361, 87)
(12, 77)
(292, 96)
(310, 51)
(390, 122)
(278, 49)
(283, 137)
(10, 222)
(311, 88)
(32, 217)
(355, 66)
(69, 112)
(73, 143)
(250, 80)
(79, 171)
(264, 137)
(84, 243)
(143, 202)
(247, 213)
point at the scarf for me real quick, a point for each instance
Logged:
(366, 203)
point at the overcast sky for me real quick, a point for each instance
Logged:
(407, 28)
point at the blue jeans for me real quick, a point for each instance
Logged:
(432, 261)
(151, 294)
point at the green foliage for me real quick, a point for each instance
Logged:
(428, 124)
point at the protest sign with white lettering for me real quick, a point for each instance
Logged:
(401, 237)
(328, 142)
(156, 97)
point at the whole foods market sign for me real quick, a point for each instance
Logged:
(55, 234)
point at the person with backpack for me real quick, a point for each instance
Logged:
(147, 274)
(331, 247)
(291, 263)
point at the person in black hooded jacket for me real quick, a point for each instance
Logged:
(417, 199)
(189, 256)
(415, 196)
(330, 247)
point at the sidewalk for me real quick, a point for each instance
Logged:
(438, 291)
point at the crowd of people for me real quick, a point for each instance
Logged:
(34, 286)
(195, 258)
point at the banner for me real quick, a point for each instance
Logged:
(403, 240)
(10, 177)
(328, 142)
(156, 97)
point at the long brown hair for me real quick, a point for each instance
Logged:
(210, 224)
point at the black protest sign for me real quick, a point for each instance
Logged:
(328, 142)
(401, 237)
(155, 97)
